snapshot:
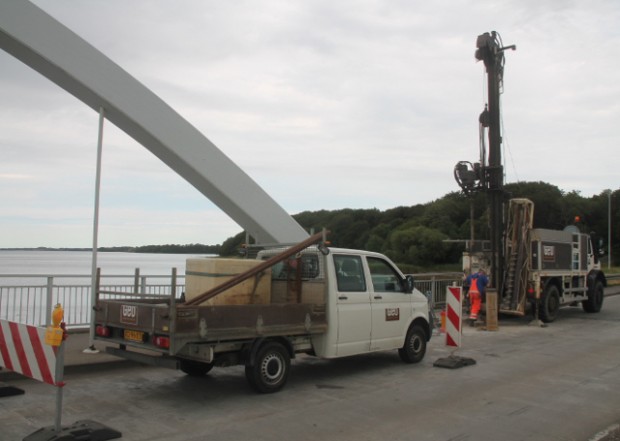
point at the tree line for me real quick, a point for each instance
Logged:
(427, 235)
(193, 248)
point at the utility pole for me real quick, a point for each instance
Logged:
(609, 229)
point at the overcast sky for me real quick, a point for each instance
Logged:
(326, 104)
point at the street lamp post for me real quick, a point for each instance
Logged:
(609, 229)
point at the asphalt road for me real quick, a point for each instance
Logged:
(556, 383)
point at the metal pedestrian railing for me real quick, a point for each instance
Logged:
(29, 298)
(436, 284)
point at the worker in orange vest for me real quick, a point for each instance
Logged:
(477, 287)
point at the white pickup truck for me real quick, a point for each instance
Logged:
(326, 302)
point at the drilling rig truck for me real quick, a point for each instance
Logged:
(541, 267)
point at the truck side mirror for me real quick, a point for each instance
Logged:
(409, 284)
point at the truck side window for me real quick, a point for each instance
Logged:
(349, 273)
(384, 277)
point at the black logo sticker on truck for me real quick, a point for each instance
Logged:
(392, 314)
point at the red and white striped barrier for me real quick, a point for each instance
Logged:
(454, 309)
(23, 350)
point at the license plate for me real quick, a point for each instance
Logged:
(134, 335)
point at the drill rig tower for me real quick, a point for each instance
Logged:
(488, 174)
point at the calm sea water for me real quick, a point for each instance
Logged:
(24, 278)
(58, 263)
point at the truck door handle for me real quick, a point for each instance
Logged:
(343, 298)
(378, 297)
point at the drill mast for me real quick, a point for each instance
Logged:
(488, 174)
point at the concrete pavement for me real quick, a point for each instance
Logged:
(525, 378)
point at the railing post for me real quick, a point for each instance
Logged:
(143, 278)
(97, 288)
(48, 299)
(173, 309)
(136, 281)
(173, 283)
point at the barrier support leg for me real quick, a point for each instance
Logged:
(84, 430)
(9, 391)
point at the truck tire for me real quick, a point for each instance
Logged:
(549, 304)
(595, 298)
(414, 349)
(195, 368)
(269, 371)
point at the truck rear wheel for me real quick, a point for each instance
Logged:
(270, 369)
(195, 368)
(414, 349)
(595, 298)
(549, 304)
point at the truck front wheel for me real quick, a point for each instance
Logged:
(595, 298)
(549, 304)
(414, 349)
(270, 369)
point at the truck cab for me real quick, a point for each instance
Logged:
(565, 270)
(370, 304)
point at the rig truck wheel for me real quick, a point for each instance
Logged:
(415, 345)
(270, 369)
(195, 368)
(595, 298)
(549, 304)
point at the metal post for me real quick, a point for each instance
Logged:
(48, 299)
(173, 310)
(609, 230)
(60, 363)
(96, 227)
(470, 246)
(136, 281)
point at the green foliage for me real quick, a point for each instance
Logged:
(418, 245)
(548, 207)
(416, 236)
(232, 245)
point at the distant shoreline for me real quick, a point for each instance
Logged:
(155, 249)
(47, 249)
